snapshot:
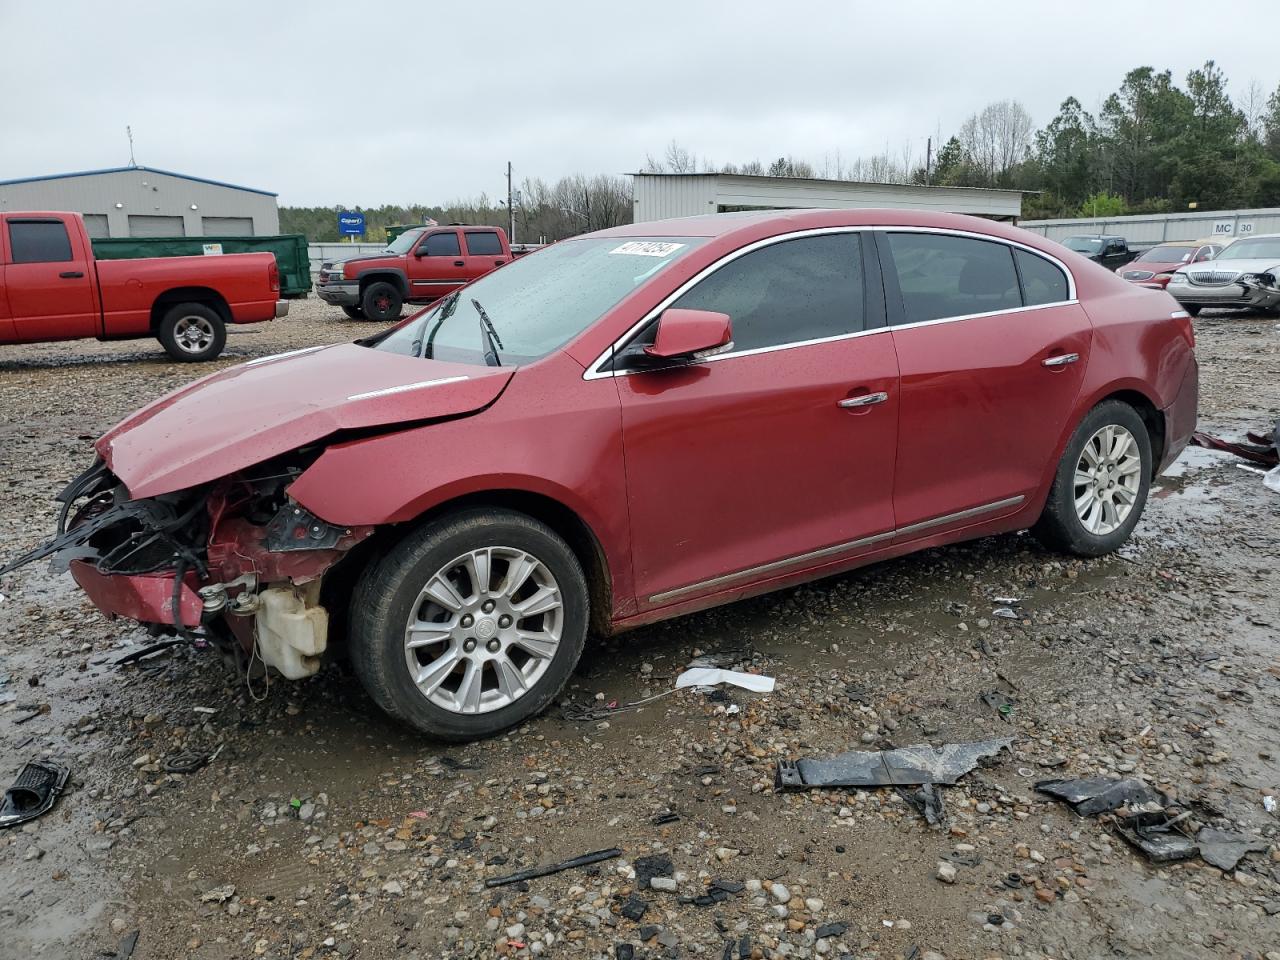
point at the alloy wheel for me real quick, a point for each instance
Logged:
(484, 629)
(1108, 478)
(193, 334)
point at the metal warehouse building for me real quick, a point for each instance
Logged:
(662, 195)
(145, 202)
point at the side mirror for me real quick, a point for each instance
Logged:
(690, 335)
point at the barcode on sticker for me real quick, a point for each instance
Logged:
(648, 248)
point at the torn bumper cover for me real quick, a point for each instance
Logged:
(236, 559)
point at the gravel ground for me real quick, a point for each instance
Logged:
(322, 829)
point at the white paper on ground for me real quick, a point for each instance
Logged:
(710, 676)
(1272, 479)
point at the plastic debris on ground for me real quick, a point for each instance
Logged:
(713, 676)
(1095, 795)
(596, 856)
(904, 767)
(33, 793)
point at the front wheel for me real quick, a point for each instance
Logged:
(354, 313)
(1101, 484)
(192, 332)
(471, 624)
(381, 301)
(1193, 309)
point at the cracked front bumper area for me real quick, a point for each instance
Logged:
(1251, 292)
(236, 563)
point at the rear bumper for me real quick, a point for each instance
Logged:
(1180, 416)
(147, 598)
(339, 294)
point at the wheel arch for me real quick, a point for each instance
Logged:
(389, 274)
(206, 296)
(1151, 415)
(562, 519)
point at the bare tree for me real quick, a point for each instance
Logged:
(1253, 105)
(997, 138)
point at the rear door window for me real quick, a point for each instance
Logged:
(483, 243)
(39, 241)
(944, 276)
(789, 292)
(441, 245)
(1042, 282)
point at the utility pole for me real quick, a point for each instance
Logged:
(511, 210)
(928, 159)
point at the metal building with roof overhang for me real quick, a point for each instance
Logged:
(658, 196)
(146, 202)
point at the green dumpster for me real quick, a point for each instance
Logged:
(395, 231)
(290, 251)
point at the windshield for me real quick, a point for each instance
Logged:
(1167, 254)
(535, 304)
(1083, 244)
(404, 243)
(1255, 248)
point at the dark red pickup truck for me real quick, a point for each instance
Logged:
(420, 265)
(51, 288)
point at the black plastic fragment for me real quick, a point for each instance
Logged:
(1094, 795)
(634, 908)
(1156, 835)
(831, 929)
(33, 793)
(905, 766)
(1225, 850)
(596, 856)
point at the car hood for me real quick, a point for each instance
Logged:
(1224, 265)
(368, 256)
(246, 414)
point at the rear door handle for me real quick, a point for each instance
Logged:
(866, 400)
(459, 263)
(70, 275)
(1060, 361)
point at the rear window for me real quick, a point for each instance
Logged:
(39, 241)
(483, 243)
(441, 245)
(946, 276)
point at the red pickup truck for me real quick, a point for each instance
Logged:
(420, 265)
(51, 288)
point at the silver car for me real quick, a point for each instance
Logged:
(1245, 275)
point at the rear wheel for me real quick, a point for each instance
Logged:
(192, 332)
(471, 624)
(1101, 485)
(355, 313)
(381, 301)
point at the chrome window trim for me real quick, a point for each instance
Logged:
(822, 553)
(594, 371)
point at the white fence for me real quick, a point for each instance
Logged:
(1150, 229)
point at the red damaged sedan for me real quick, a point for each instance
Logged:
(629, 426)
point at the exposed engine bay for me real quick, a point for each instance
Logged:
(235, 562)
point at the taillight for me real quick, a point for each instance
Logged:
(273, 275)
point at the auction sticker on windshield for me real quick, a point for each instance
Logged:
(648, 248)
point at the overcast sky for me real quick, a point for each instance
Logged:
(363, 103)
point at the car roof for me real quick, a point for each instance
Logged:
(766, 223)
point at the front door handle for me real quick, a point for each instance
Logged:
(459, 263)
(866, 400)
(70, 275)
(1060, 361)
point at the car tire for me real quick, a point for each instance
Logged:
(354, 313)
(192, 332)
(1110, 447)
(464, 688)
(1193, 310)
(381, 301)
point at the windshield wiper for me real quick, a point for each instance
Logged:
(493, 343)
(446, 311)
